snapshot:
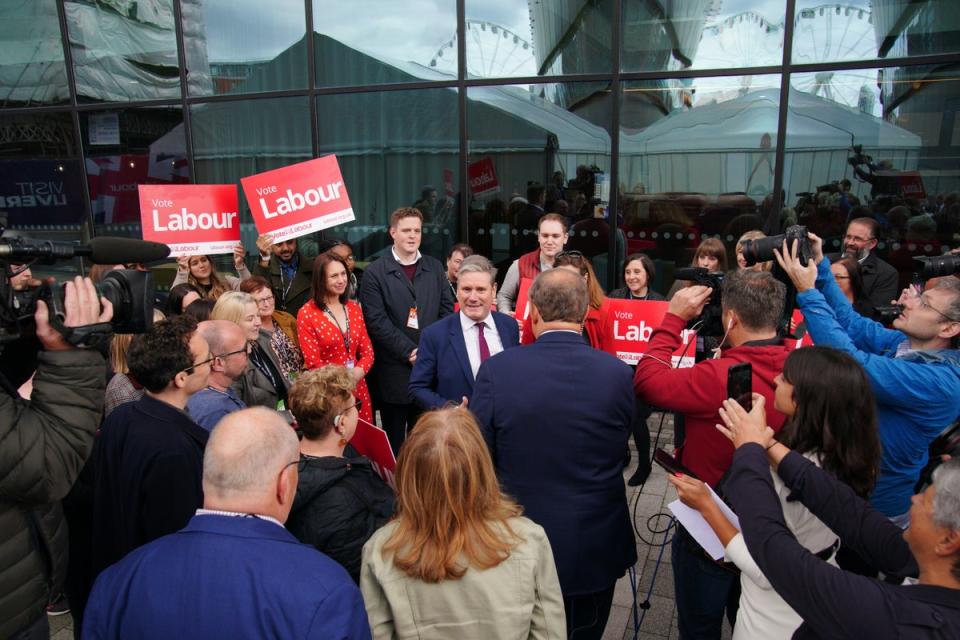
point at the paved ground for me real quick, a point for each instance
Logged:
(660, 620)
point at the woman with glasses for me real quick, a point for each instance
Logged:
(331, 327)
(199, 271)
(279, 325)
(263, 383)
(597, 309)
(340, 499)
(458, 560)
(846, 271)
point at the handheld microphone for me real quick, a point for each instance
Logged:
(101, 250)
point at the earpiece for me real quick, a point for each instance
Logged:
(336, 421)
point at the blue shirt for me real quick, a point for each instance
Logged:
(207, 406)
(918, 392)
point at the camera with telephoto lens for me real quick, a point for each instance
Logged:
(761, 249)
(886, 314)
(709, 320)
(858, 157)
(938, 266)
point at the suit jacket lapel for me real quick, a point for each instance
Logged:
(458, 340)
(503, 330)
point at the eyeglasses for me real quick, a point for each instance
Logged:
(246, 350)
(264, 300)
(189, 370)
(915, 293)
(301, 463)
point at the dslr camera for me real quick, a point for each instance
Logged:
(709, 320)
(931, 267)
(761, 249)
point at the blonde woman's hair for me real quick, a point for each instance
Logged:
(319, 395)
(451, 514)
(230, 306)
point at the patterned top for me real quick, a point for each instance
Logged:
(120, 390)
(288, 355)
(323, 342)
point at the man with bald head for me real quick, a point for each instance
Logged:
(233, 571)
(556, 415)
(228, 346)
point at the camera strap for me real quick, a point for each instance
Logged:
(88, 336)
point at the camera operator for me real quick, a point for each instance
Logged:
(751, 305)
(45, 443)
(914, 368)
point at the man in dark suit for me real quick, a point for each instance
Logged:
(402, 293)
(290, 274)
(452, 350)
(556, 415)
(148, 457)
(233, 571)
(528, 219)
(880, 280)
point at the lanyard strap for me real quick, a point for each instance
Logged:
(344, 333)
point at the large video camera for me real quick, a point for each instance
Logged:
(130, 292)
(858, 157)
(709, 322)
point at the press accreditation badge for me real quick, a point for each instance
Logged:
(412, 319)
(350, 364)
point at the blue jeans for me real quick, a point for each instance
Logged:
(703, 589)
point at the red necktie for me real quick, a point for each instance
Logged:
(484, 349)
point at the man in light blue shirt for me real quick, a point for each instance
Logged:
(228, 345)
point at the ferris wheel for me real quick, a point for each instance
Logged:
(492, 51)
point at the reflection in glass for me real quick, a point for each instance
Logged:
(124, 51)
(701, 34)
(696, 161)
(903, 171)
(382, 41)
(236, 46)
(31, 67)
(530, 156)
(395, 149)
(232, 140)
(126, 148)
(862, 29)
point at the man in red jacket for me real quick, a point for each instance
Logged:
(752, 303)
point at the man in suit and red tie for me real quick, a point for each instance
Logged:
(452, 349)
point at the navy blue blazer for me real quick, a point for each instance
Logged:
(226, 577)
(442, 371)
(556, 415)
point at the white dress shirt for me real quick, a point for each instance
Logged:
(471, 335)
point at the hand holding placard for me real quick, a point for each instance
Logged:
(191, 218)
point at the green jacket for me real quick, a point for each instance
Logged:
(44, 443)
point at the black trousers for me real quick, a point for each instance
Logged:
(587, 614)
(397, 420)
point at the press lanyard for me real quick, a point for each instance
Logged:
(345, 333)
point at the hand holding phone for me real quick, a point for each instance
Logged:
(670, 464)
(740, 384)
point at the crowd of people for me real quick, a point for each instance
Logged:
(211, 488)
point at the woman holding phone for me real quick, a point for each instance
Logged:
(831, 420)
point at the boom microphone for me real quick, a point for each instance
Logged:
(101, 250)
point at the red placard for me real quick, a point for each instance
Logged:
(299, 199)
(191, 218)
(448, 183)
(483, 177)
(522, 310)
(372, 442)
(629, 325)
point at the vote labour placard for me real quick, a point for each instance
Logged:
(372, 442)
(190, 218)
(522, 310)
(299, 199)
(629, 325)
(482, 177)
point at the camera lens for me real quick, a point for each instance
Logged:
(939, 266)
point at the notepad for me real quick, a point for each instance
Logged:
(698, 528)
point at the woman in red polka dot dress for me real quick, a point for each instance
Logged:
(331, 328)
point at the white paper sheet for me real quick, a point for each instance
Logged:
(697, 527)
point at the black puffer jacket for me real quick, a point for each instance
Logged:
(43, 445)
(340, 503)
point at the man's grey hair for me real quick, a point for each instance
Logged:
(215, 332)
(946, 497)
(246, 451)
(560, 296)
(756, 297)
(951, 285)
(478, 264)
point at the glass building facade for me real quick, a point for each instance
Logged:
(651, 124)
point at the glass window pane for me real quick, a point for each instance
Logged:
(41, 182)
(861, 29)
(696, 162)
(31, 67)
(903, 171)
(533, 150)
(395, 149)
(125, 148)
(232, 140)
(519, 38)
(380, 41)
(701, 34)
(237, 47)
(124, 51)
